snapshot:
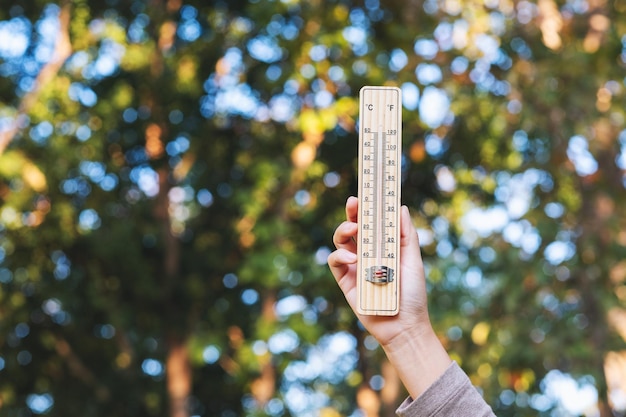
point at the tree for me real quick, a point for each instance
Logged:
(170, 176)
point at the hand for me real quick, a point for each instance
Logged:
(413, 311)
(407, 338)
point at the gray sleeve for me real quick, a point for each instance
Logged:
(451, 395)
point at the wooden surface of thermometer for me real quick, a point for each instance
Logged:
(378, 240)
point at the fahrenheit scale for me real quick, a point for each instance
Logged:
(378, 241)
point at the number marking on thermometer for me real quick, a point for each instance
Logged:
(378, 242)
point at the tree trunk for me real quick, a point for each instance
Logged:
(264, 387)
(390, 394)
(178, 370)
(597, 209)
(178, 375)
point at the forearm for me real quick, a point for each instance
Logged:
(419, 359)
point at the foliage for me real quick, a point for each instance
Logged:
(171, 175)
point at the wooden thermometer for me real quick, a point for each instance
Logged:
(378, 242)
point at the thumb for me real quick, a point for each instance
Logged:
(408, 234)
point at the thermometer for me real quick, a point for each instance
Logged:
(378, 240)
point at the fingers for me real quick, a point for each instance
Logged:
(410, 252)
(342, 264)
(339, 260)
(352, 207)
(344, 236)
(408, 234)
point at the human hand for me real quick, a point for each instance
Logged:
(408, 337)
(413, 311)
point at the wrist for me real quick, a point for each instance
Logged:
(419, 357)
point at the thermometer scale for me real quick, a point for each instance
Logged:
(378, 241)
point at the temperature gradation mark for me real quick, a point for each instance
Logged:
(378, 242)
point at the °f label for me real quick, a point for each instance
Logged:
(378, 241)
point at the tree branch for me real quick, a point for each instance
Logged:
(62, 51)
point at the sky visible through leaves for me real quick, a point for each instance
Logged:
(227, 93)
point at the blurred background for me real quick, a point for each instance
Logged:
(171, 173)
